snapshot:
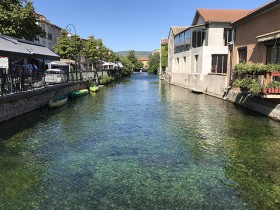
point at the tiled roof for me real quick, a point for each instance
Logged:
(143, 59)
(219, 15)
(178, 29)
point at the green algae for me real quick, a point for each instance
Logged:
(139, 145)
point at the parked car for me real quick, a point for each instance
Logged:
(53, 76)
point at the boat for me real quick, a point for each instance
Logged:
(58, 101)
(197, 90)
(78, 93)
(94, 88)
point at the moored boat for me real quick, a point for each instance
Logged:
(78, 93)
(94, 88)
(58, 101)
(197, 90)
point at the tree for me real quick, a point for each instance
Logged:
(139, 65)
(89, 49)
(127, 66)
(132, 58)
(18, 19)
(164, 56)
(154, 62)
(67, 48)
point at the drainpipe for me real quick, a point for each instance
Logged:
(226, 91)
(232, 58)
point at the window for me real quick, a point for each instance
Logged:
(227, 35)
(183, 40)
(198, 37)
(273, 54)
(242, 55)
(219, 64)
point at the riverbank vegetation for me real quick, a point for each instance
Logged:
(154, 63)
(257, 78)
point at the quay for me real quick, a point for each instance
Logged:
(17, 104)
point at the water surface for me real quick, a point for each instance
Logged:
(140, 144)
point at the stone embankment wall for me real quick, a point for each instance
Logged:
(17, 104)
(268, 107)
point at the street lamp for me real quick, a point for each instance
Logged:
(69, 35)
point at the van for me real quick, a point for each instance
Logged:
(54, 76)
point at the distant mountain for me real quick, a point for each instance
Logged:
(139, 54)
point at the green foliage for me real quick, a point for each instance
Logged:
(251, 85)
(154, 62)
(104, 79)
(164, 56)
(89, 49)
(139, 65)
(133, 59)
(254, 68)
(127, 66)
(255, 86)
(18, 19)
(67, 48)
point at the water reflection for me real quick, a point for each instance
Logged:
(141, 144)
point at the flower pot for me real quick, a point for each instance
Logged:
(276, 90)
(269, 90)
(275, 73)
(264, 90)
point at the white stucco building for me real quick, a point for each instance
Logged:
(52, 32)
(174, 30)
(200, 51)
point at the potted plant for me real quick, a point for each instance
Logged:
(255, 86)
(264, 89)
(278, 87)
(275, 85)
(245, 84)
(270, 88)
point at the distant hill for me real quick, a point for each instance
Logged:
(139, 54)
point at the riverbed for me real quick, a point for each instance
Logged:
(140, 144)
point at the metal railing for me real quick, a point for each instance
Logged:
(10, 84)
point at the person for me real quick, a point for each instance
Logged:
(29, 69)
(34, 67)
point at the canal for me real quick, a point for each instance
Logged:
(140, 144)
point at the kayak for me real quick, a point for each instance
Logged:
(94, 88)
(58, 101)
(78, 93)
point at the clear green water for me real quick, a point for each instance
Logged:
(140, 144)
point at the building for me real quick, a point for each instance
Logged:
(145, 62)
(257, 36)
(200, 51)
(52, 32)
(174, 30)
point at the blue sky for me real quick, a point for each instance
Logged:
(130, 24)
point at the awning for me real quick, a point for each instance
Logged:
(9, 46)
(268, 36)
(67, 61)
(41, 52)
(12, 47)
(58, 63)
